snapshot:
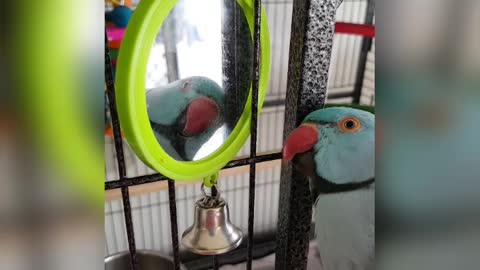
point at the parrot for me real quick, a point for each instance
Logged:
(186, 113)
(335, 149)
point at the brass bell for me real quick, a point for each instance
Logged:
(212, 232)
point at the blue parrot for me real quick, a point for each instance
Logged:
(335, 149)
(185, 114)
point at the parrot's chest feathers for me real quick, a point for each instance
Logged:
(345, 228)
(361, 196)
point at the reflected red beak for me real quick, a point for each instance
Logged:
(201, 113)
(302, 139)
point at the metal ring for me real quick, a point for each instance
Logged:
(217, 196)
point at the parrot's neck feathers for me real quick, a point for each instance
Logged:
(323, 186)
(329, 187)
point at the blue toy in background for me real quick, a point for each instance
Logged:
(120, 16)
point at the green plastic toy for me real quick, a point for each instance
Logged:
(131, 102)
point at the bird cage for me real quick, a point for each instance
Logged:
(317, 44)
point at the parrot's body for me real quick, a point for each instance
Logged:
(185, 114)
(335, 149)
(345, 229)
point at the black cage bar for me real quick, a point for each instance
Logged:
(310, 52)
(366, 47)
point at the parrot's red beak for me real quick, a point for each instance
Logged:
(201, 113)
(302, 139)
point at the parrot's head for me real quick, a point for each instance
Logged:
(191, 106)
(200, 114)
(204, 111)
(186, 113)
(336, 144)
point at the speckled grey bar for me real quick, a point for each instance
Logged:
(318, 51)
(309, 59)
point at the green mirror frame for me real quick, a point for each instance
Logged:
(131, 101)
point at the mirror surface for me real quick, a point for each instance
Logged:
(198, 77)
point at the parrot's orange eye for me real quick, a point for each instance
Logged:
(349, 125)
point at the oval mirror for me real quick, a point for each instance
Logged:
(184, 79)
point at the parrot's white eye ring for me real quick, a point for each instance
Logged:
(349, 125)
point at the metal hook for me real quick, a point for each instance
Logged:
(215, 192)
(211, 180)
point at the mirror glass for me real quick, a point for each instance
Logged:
(199, 76)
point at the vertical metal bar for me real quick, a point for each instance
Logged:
(352, 69)
(362, 62)
(237, 51)
(120, 156)
(215, 262)
(274, 81)
(282, 40)
(173, 221)
(347, 56)
(253, 130)
(127, 210)
(170, 42)
(339, 52)
(310, 53)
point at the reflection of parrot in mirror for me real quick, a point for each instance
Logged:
(185, 114)
(335, 149)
